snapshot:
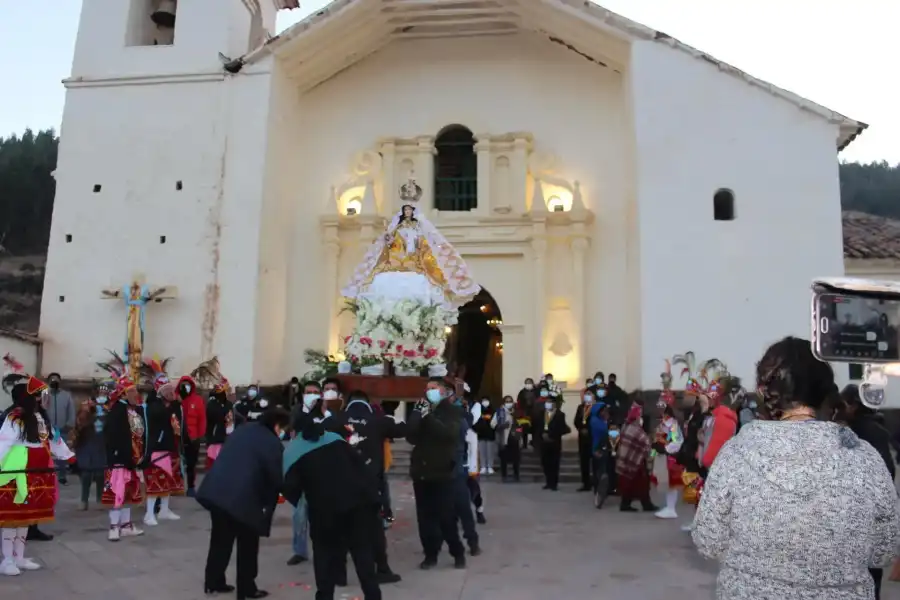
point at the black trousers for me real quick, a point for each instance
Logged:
(876, 577)
(352, 531)
(379, 550)
(436, 516)
(462, 505)
(551, 453)
(511, 455)
(226, 530)
(584, 459)
(191, 456)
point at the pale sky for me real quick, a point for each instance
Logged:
(835, 52)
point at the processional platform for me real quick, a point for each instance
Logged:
(386, 388)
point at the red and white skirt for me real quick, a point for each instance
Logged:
(43, 491)
(163, 476)
(212, 453)
(675, 470)
(127, 483)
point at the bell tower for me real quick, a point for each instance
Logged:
(122, 38)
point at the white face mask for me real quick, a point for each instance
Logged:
(187, 388)
(544, 393)
(309, 400)
(550, 380)
(548, 406)
(529, 386)
(508, 405)
(330, 395)
(485, 403)
(588, 398)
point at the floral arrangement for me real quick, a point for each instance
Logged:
(323, 365)
(409, 333)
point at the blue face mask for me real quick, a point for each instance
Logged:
(613, 434)
(251, 393)
(101, 399)
(433, 396)
(601, 393)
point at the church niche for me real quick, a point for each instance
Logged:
(151, 23)
(455, 170)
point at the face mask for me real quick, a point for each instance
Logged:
(330, 395)
(641, 422)
(102, 399)
(753, 404)
(598, 381)
(588, 399)
(508, 405)
(550, 380)
(485, 403)
(529, 386)
(251, 393)
(54, 385)
(544, 393)
(433, 396)
(309, 400)
(613, 434)
(296, 386)
(601, 393)
(187, 388)
(548, 406)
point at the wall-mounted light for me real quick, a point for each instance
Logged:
(448, 330)
(353, 207)
(556, 204)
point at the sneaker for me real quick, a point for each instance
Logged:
(167, 515)
(490, 471)
(666, 513)
(483, 471)
(385, 577)
(296, 560)
(150, 520)
(8, 568)
(479, 516)
(114, 534)
(129, 530)
(687, 528)
(36, 535)
(26, 564)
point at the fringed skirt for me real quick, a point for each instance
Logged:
(122, 487)
(164, 476)
(42, 493)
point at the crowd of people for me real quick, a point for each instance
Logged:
(771, 475)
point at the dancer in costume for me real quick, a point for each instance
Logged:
(164, 422)
(123, 433)
(668, 434)
(28, 480)
(219, 410)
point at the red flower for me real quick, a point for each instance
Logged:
(409, 353)
(431, 353)
(399, 347)
(421, 347)
(382, 343)
(365, 340)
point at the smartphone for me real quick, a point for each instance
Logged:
(856, 323)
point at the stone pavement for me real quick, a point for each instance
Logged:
(538, 545)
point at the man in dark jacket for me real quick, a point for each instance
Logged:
(617, 401)
(434, 432)
(241, 493)
(342, 494)
(865, 423)
(366, 431)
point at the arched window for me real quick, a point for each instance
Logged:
(723, 205)
(455, 170)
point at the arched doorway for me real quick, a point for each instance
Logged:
(474, 348)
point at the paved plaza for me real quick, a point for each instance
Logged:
(538, 545)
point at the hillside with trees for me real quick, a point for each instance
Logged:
(27, 188)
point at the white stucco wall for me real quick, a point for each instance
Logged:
(24, 352)
(726, 289)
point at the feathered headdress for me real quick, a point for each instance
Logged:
(688, 363)
(118, 372)
(713, 374)
(667, 396)
(154, 370)
(16, 375)
(208, 373)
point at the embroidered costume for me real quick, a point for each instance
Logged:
(28, 480)
(219, 410)
(164, 455)
(124, 437)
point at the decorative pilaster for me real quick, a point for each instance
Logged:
(388, 182)
(538, 205)
(368, 205)
(579, 249)
(332, 253)
(485, 167)
(518, 175)
(539, 255)
(424, 161)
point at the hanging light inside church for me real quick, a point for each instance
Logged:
(164, 14)
(499, 345)
(494, 322)
(353, 207)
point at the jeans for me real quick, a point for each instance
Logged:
(86, 480)
(486, 451)
(300, 524)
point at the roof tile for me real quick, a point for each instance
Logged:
(870, 236)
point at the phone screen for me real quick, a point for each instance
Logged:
(857, 327)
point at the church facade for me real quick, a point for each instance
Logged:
(621, 196)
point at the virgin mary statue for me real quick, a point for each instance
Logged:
(412, 261)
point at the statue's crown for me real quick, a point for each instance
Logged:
(410, 192)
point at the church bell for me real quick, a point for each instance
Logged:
(164, 14)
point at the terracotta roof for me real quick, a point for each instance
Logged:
(22, 336)
(870, 236)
